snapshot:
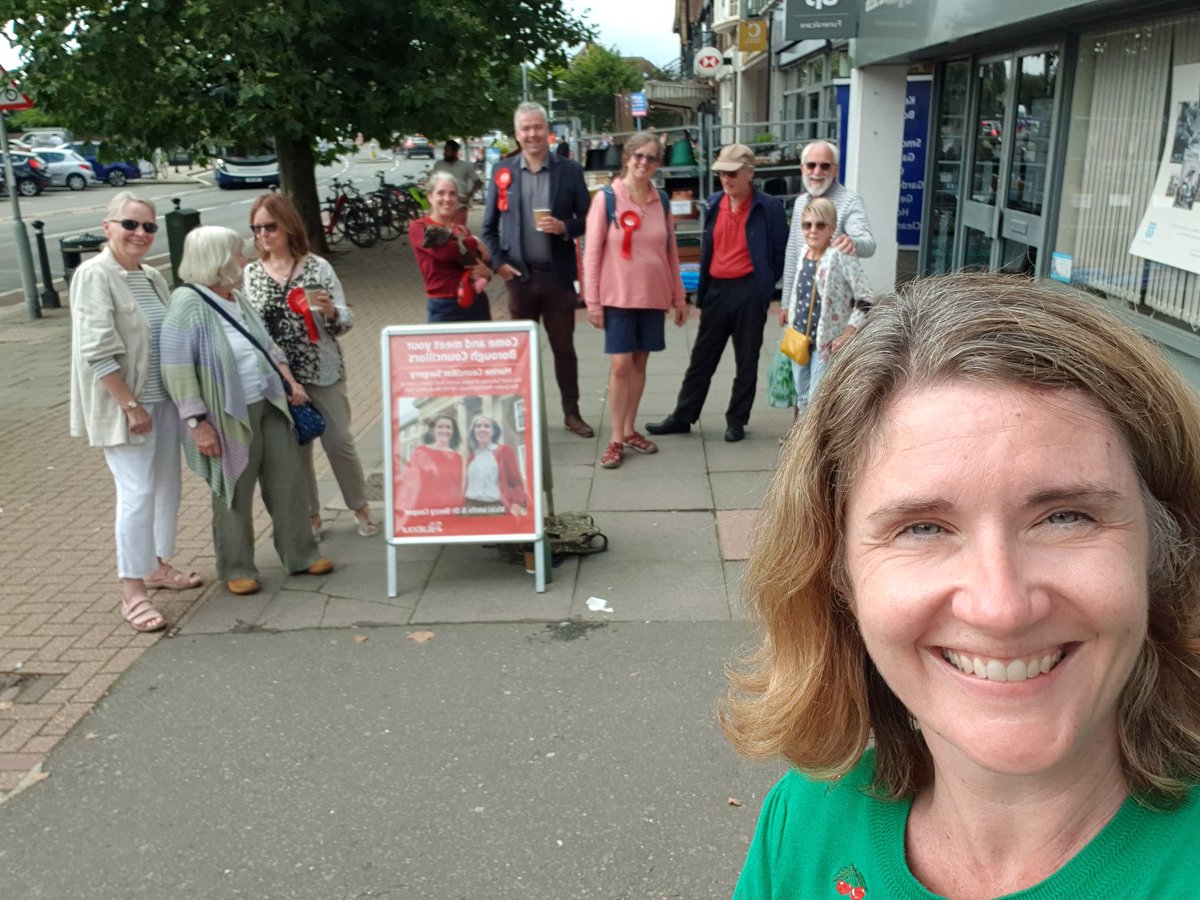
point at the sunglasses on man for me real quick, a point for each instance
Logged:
(132, 225)
(813, 166)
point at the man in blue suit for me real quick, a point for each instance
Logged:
(536, 207)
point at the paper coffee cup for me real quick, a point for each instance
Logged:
(537, 217)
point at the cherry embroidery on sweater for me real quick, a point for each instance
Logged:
(849, 882)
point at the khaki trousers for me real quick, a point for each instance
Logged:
(274, 465)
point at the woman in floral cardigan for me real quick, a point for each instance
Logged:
(828, 299)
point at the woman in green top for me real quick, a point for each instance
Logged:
(979, 560)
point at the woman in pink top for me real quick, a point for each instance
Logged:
(630, 279)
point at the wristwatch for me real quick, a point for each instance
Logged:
(193, 421)
(131, 404)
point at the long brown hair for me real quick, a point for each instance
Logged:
(281, 208)
(810, 691)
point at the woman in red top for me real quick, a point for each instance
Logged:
(443, 264)
(433, 478)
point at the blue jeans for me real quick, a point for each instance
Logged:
(807, 378)
(446, 309)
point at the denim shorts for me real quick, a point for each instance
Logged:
(627, 330)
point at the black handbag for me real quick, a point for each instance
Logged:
(307, 421)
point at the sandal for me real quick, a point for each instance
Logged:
(612, 456)
(367, 528)
(173, 579)
(636, 442)
(141, 616)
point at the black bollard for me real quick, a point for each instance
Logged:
(49, 294)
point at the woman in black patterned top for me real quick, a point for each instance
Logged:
(306, 326)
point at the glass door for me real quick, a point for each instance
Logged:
(1012, 107)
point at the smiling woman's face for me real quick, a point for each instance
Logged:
(483, 432)
(997, 554)
(130, 247)
(443, 431)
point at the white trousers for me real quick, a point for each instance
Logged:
(147, 480)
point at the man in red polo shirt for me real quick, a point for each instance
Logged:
(741, 259)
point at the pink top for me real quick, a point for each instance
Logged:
(650, 278)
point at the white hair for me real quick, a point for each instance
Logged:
(440, 175)
(833, 151)
(210, 257)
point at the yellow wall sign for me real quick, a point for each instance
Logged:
(752, 35)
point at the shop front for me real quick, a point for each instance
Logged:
(1064, 143)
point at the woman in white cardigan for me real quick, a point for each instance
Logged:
(119, 403)
(828, 298)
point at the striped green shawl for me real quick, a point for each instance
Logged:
(201, 375)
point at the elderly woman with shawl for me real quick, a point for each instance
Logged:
(227, 379)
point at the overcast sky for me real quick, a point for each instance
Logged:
(634, 27)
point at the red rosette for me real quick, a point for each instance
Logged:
(630, 222)
(297, 301)
(503, 180)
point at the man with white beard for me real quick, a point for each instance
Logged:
(819, 163)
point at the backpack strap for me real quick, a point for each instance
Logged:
(610, 203)
(610, 209)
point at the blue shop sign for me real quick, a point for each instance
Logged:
(912, 163)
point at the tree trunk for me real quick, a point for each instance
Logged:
(298, 177)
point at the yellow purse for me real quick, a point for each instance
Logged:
(795, 344)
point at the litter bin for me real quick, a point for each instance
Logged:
(73, 249)
(179, 223)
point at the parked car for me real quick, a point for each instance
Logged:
(114, 173)
(67, 168)
(30, 172)
(236, 167)
(417, 145)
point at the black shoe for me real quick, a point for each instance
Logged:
(669, 425)
(735, 433)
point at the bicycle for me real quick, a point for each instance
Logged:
(347, 214)
(392, 212)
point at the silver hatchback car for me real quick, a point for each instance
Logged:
(67, 168)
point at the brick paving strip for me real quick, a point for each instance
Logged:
(62, 640)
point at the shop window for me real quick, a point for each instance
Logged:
(1126, 169)
(950, 135)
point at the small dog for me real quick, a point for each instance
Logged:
(468, 245)
(468, 250)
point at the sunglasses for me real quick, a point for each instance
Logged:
(823, 166)
(645, 158)
(819, 226)
(132, 225)
(268, 227)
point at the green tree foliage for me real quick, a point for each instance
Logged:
(201, 73)
(592, 81)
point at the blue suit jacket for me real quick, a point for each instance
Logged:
(569, 201)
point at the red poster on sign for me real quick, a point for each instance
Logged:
(463, 459)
